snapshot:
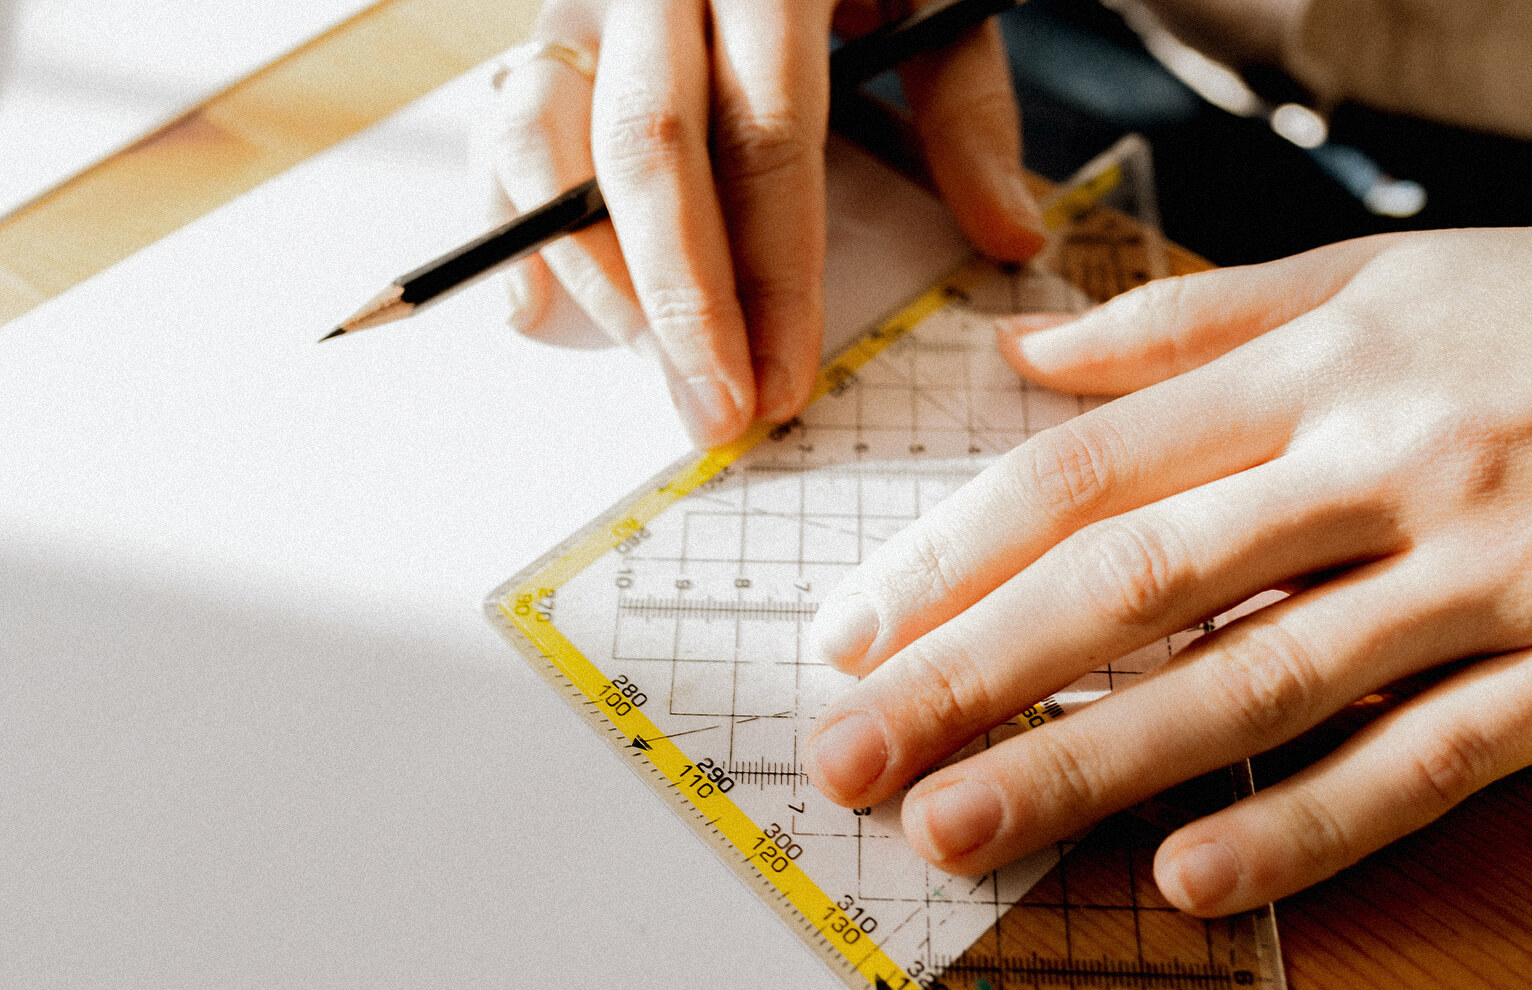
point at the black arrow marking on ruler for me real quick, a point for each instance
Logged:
(639, 742)
(880, 983)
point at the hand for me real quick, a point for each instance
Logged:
(705, 125)
(1353, 424)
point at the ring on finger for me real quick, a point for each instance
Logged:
(576, 56)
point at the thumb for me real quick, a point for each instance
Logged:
(528, 283)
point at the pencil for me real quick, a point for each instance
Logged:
(931, 27)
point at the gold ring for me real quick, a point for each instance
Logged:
(578, 58)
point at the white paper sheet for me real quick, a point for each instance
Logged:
(253, 728)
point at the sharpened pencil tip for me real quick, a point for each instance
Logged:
(332, 334)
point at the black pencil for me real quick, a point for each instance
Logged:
(932, 26)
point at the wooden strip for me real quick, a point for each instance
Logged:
(323, 92)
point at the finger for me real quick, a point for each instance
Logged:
(528, 294)
(1118, 457)
(1252, 685)
(772, 83)
(1106, 591)
(541, 147)
(1397, 775)
(1175, 324)
(650, 128)
(528, 283)
(966, 118)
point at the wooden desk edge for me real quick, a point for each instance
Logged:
(326, 90)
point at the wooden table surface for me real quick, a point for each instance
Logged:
(1450, 906)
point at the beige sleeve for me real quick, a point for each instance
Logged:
(1465, 62)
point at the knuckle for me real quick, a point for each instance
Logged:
(1440, 458)
(749, 145)
(928, 573)
(1155, 309)
(1266, 679)
(949, 688)
(1070, 773)
(1450, 764)
(1128, 570)
(1158, 302)
(782, 290)
(1320, 838)
(524, 128)
(955, 114)
(642, 135)
(685, 318)
(1067, 471)
(1471, 455)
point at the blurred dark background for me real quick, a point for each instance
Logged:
(1229, 188)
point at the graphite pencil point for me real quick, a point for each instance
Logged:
(332, 334)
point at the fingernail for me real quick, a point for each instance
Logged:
(957, 819)
(1031, 236)
(516, 296)
(1029, 244)
(1022, 324)
(1207, 874)
(707, 409)
(844, 629)
(849, 756)
(1049, 348)
(774, 383)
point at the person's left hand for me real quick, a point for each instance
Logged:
(1353, 424)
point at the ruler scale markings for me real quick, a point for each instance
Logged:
(929, 343)
(528, 608)
(523, 607)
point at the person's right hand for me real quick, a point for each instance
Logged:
(1352, 425)
(705, 126)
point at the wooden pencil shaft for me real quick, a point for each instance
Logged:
(579, 207)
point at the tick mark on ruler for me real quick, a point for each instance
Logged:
(639, 742)
(783, 526)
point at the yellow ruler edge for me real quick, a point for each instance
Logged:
(1062, 210)
(529, 606)
(1068, 206)
(525, 607)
